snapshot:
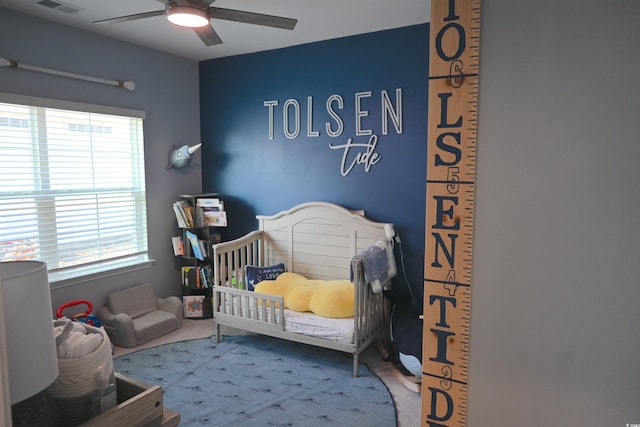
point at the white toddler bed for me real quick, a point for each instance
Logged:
(318, 240)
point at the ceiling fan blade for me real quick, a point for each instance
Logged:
(208, 35)
(132, 17)
(252, 18)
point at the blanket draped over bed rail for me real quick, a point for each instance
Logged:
(319, 241)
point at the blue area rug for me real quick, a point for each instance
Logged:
(253, 380)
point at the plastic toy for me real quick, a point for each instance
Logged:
(85, 317)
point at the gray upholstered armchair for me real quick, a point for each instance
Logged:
(136, 315)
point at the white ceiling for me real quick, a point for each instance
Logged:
(317, 20)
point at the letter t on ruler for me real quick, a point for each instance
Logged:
(450, 194)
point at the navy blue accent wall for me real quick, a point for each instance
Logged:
(262, 162)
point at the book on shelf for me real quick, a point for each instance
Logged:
(210, 203)
(178, 245)
(197, 277)
(193, 305)
(184, 214)
(179, 218)
(209, 212)
(188, 209)
(206, 274)
(198, 247)
(190, 277)
(212, 218)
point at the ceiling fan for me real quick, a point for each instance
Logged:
(197, 14)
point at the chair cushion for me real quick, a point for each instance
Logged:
(135, 301)
(153, 325)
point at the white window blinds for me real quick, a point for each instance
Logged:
(72, 187)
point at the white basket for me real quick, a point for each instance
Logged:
(85, 383)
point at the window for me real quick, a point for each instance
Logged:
(72, 187)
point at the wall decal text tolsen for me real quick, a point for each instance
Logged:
(296, 120)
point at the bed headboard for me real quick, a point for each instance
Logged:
(318, 239)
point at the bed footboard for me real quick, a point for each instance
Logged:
(247, 310)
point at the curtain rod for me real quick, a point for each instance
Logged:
(128, 85)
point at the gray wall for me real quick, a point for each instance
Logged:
(555, 305)
(166, 88)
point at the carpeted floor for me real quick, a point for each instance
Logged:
(407, 402)
(254, 380)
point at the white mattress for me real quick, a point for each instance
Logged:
(339, 330)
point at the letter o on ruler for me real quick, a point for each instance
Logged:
(461, 41)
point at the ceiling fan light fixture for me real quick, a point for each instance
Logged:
(186, 16)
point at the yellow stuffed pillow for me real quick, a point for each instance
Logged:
(334, 298)
(280, 287)
(299, 295)
(326, 298)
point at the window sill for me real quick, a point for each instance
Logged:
(61, 279)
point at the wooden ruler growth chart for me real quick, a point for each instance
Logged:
(451, 169)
